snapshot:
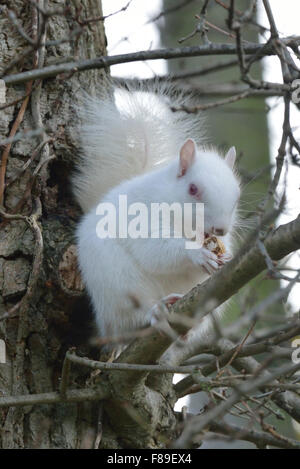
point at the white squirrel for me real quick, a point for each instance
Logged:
(133, 144)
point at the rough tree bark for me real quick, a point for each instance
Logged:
(39, 332)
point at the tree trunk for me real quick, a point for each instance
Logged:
(40, 294)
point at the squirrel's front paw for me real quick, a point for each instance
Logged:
(208, 260)
(226, 257)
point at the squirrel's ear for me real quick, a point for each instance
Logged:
(187, 156)
(230, 157)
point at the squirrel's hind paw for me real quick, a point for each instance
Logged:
(158, 315)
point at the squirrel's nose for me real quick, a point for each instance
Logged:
(218, 231)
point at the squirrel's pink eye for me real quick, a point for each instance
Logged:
(193, 189)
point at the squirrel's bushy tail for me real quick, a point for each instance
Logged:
(126, 134)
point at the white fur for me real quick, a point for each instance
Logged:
(125, 277)
(125, 135)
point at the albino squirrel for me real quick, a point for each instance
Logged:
(133, 144)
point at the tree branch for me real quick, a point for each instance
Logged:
(172, 53)
(217, 289)
(258, 438)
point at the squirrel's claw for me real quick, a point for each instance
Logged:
(158, 315)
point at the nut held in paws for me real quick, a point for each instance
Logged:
(214, 245)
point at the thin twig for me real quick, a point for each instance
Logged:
(107, 61)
